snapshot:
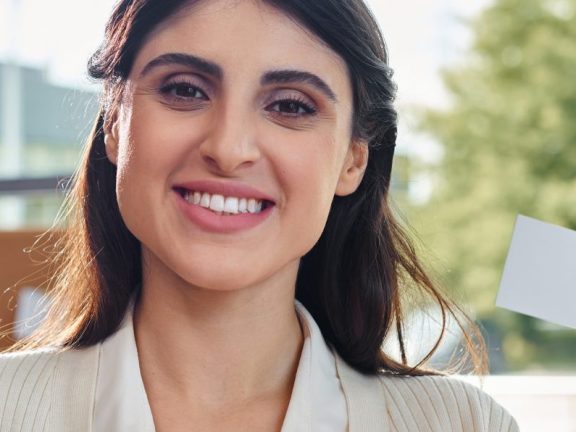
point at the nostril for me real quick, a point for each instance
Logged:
(210, 161)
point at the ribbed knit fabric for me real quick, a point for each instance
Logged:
(423, 404)
(438, 403)
(49, 391)
(25, 389)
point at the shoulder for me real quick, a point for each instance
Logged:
(33, 384)
(425, 403)
(26, 368)
(30, 368)
(443, 403)
(25, 387)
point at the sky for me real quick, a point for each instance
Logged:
(423, 36)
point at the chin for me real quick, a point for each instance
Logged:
(218, 279)
(220, 284)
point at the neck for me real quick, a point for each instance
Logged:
(219, 348)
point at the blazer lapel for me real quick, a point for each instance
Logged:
(74, 386)
(365, 399)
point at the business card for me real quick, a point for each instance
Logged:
(539, 276)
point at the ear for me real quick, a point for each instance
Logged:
(354, 167)
(111, 139)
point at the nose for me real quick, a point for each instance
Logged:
(231, 145)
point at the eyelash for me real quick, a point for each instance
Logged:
(301, 105)
(304, 109)
(167, 89)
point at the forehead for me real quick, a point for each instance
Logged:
(245, 36)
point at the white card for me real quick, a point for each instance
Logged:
(539, 277)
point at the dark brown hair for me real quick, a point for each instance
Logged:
(353, 280)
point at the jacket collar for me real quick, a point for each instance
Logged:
(365, 399)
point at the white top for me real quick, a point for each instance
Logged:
(317, 403)
(54, 390)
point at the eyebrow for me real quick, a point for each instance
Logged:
(187, 60)
(284, 76)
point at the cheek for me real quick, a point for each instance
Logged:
(309, 173)
(152, 144)
(321, 165)
(143, 161)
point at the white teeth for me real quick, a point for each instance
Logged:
(243, 205)
(217, 203)
(205, 200)
(231, 205)
(224, 205)
(197, 198)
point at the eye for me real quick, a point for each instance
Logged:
(291, 107)
(182, 92)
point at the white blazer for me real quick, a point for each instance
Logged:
(56, 391)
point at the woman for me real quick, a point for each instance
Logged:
(241, 160)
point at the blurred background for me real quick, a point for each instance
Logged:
(487, 101)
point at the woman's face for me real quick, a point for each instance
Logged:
(232, 105)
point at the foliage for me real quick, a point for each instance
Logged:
(509, 140)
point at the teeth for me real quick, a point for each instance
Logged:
(205, 200)
(220, 204)
(197, 198)
(231, 205)
(243, 205)
(217, 203)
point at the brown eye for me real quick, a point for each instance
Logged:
(292, 108)
(183, 90)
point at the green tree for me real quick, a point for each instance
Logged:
(509, 140)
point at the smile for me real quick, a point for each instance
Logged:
(223, 213)
(224, 205)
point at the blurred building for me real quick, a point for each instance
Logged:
(43, 126)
